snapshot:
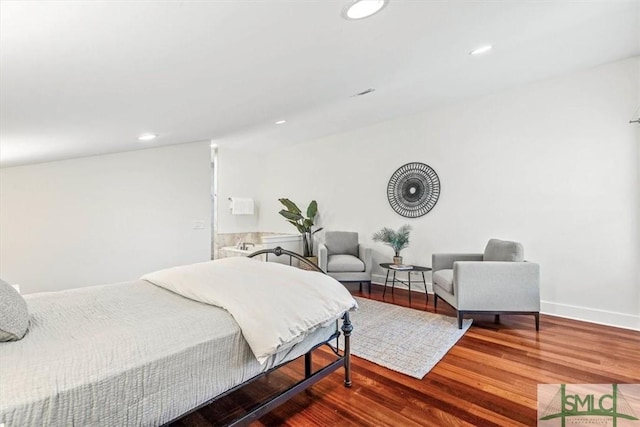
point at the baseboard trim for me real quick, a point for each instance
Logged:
(591, 315)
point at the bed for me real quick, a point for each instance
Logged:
(137, 353)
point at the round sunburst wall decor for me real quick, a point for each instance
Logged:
(413, 190)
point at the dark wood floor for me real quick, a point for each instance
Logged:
(489, 378)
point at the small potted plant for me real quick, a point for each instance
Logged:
(294, 216)
(398, 240)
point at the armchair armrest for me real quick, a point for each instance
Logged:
(497, 286)
(364, 253)
(445, 261)
(323, 256)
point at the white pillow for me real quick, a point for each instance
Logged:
(14, 315)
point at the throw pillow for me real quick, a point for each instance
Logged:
(14, 315)
(502, 250)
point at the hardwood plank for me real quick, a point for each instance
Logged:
(488, 378)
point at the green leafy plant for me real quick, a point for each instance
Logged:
(294, 216)
(398, 240)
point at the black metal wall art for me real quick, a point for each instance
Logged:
(413, 190)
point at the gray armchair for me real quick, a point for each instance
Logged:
(496, 282)
(344, 259)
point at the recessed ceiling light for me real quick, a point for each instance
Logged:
(147, 137)
(482, 49)
(281, 122)
(360, 9)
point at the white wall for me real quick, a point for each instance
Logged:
(553, 165)
(104, 219)
(239, 175)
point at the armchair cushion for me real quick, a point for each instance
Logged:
(344, 263)
(501, 250)
(341, 243)
(444, 279)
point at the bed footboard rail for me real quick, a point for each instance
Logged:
(310, 379)
(278, 251)
(347, 328)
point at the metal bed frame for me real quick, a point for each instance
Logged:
(310, 377)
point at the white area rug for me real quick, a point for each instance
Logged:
(402, 339)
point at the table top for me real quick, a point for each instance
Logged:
(388, 265)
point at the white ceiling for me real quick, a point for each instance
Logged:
(79, 78)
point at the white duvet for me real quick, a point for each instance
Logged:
(275, 305)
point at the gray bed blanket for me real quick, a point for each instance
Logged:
(127, 354)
